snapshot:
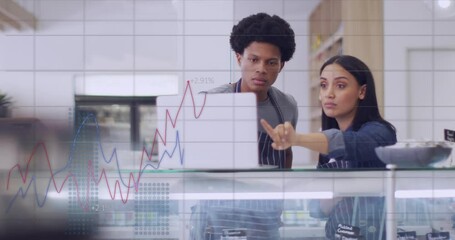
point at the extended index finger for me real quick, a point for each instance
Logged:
(268, 128)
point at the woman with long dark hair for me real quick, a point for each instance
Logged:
(352, 128)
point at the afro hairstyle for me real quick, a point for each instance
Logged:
(262, 27)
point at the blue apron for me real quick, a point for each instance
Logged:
(268, 155)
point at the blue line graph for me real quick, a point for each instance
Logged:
(40, 203)
(133, 183)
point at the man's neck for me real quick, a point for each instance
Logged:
(262, 97)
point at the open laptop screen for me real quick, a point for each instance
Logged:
(207, 131)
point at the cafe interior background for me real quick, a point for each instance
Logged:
(61, 59)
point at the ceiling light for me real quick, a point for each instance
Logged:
(441, 8)
(444, 3)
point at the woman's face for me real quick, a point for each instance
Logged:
(260, 64)
(339, 94)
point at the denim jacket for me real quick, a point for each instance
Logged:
(355, 149)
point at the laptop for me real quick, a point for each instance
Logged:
(207, 131)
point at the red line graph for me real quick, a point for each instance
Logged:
(133, 181)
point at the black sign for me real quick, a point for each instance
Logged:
(347, 232)
(438, 236)
(407, 235)
(348, 229)
(344, 237)
(237, 232)
(449, 135)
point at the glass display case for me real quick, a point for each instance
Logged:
(185, 204)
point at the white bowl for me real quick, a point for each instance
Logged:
(422, 156)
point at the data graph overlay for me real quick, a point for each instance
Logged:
(81, 189)
(152, 210)
(224, 136)
(100, 191)
(82, 172)
(86, 178)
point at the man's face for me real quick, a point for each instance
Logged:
(260, 64)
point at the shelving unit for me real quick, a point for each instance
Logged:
(326, 40)
(352, 27)
(14, 15)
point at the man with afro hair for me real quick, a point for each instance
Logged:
(262, 45)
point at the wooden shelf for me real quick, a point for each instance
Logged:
(329, 42)
(15, 16)
(12, 121)
(353, 27)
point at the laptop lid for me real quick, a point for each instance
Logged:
(207, 131)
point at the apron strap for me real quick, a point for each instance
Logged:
(268, 155)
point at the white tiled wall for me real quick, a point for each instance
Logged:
(244, 8)
(53, 53)
(109, 10)
(159, 10)
(54, 10)
(17, 53)
(418, 76)
(209, 10)
(118, 54)
(189, 38)
(163, 54)
(184, 38)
